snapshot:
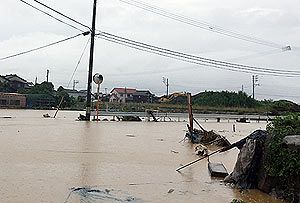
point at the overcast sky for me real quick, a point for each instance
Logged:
(23, 28)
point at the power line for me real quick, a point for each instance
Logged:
(76, 67)
(191, 58)
(79, 61)
(42, 47)
(199, 24)
(51, 15)
(205, 59)
(65, 16)
(186, 60)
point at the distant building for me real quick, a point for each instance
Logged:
(17, 82)
(12, 100)
(143, 96)
(77, 94)
(122, 95)
(3, 79)
(125, 95)
(40, 101)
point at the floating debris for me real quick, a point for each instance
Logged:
(201, 150)
(46, 115)
(130, 135)
(6, 117)
(217, 170)
(202, 136)
(175, 152)
(97, 195)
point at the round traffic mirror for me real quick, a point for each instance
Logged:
(98, 78)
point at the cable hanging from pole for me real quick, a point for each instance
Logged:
(202, 60)
(72, 76)
(189, 61)
(43, 47)
(57, 19)
(63, 15)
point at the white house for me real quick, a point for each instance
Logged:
(122, 95)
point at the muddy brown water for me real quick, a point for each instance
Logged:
(63, 160)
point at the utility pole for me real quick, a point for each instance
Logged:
(166, 82)
(91, 63)
(254, 84)
(74, 83)
(47, 76)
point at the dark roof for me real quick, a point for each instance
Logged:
(14, 77)
(142, 93)
(2, 78)
(123, 90)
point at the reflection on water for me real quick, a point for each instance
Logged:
(46, 160)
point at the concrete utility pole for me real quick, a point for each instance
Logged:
(47, 76)
(75, 82)
(254, 84)
(91, 63)
(166, 82)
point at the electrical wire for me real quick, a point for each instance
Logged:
(72, 76)
(50, 15)
(205, 59)
(242, 68)
(199, 24)
(79, 61)
(194, 61)
(42, 47)
(65, 16)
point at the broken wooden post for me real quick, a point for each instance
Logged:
(191, 120)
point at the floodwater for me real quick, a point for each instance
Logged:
(62, 160)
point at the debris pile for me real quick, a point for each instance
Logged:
(207, 138)
(245, 173)
(253, 169)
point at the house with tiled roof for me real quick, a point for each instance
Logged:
(122, 95)
(125, 95)
(3, 79)
(16, 82)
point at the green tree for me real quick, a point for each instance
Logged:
(63, 95)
